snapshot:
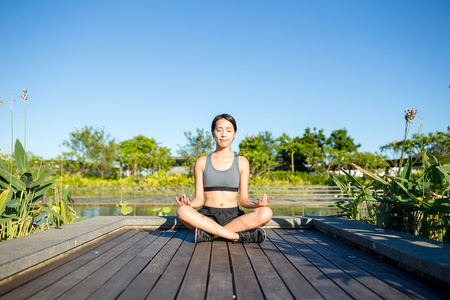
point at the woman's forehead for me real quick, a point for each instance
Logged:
(223, 123)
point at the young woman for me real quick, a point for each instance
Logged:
(218, 178)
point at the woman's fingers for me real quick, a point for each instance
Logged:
(183, 200)
(263, 201)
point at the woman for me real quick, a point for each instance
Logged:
(218, 177)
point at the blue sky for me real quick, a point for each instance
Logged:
(162, 68)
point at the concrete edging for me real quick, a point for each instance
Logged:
(421, 255)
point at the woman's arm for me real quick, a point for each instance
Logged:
(244, 200)
(198, 173)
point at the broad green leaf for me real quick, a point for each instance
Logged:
(445, 170)
(5, 197)
(13, 180)
(444, 160)
(4, 220)
(406, 172)
(13, 203)
(340, 184)
(79, 219)
(21, 157)
(64, 212)
(51, 212)
(352, 179)
(27, 178)
(3, 165)
(157, 209)
(43, 177)
(11, 216)
(66, 193)
(43, 189)
(371, 175)
(3, 183)
(126, 210)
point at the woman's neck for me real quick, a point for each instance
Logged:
(223, 151)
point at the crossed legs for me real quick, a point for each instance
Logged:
(193, 219)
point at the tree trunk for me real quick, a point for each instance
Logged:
(292, 161)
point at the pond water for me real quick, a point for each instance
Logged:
(91, 211)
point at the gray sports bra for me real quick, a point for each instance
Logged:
(218, 180)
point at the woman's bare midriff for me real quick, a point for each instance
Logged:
(221, 199)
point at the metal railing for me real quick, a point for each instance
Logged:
(166, 194)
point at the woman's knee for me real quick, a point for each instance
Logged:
(183, 212)
(265, 214)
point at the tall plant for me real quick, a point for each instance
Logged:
(21, 192)
(421, 206)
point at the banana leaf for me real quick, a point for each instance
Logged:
(5, 197)
(27, 178)
(13, 203)
(406, 173)
(43, 177)
(3, 165)
(4, 221)
(51, 212)
(11, 216)
(340, 184)
(371, 175)
(13, 180)
(43, 189)
(21, 157)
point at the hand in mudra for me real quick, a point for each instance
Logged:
(263, 201)
(183, 200)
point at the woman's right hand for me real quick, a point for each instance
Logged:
(183, 201)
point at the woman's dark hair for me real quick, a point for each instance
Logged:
(226, 117)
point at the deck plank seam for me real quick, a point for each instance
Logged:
(288, 260)
(345, 276)
(387, 273)
(294, 246)
(380, 262)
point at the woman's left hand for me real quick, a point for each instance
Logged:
(263, 201)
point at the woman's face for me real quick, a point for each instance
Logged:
(223, 133)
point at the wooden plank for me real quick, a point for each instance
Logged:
(168, 284)
(297, 284)
(373, 283)
(144, 281)
(220, 283)
(114, 286)
(402, 280)
(39, 271)
(271, 284)
(196, 278)
(64, 284)
(245, 283)
(346, 282)
(34, 286)
(92, 282)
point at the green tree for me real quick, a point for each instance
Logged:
(196, 146)
(160, 159)
(340, 140)
(136, 154)
(261, 152)
(93, 149)
(437, 144)
(292, 150)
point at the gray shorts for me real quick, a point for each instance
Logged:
(223, 216)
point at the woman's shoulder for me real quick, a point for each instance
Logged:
(243, 160)
(202, 159)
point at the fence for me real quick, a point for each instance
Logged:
(311, 195)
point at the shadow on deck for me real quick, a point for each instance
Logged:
(303, 258)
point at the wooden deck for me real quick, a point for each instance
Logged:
(167, 264)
